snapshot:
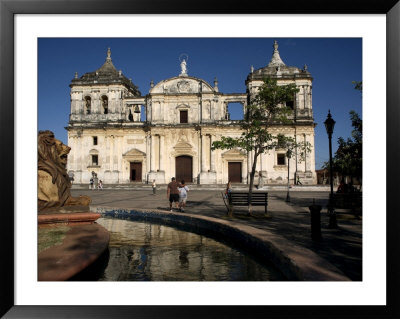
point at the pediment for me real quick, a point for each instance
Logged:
(93, 152)
(180, 84)
(183, 145)
(134, 152)
(233, 153)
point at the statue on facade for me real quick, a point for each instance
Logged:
(53, 181)
(183, 67)
(183, 59)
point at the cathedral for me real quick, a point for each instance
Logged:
(124, 137)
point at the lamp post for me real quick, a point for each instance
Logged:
(288, 155)
(329, 125)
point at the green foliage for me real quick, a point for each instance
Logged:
(358, 85)
(348, 157)
(292, 147)
(267, 108)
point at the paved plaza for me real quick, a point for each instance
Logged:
(341, 247)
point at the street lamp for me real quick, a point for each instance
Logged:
(288, 155)
(329, 125)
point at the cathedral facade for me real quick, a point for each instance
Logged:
(183, 116)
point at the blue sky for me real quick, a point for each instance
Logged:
(333, 63)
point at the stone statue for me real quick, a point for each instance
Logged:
(53, 181)
(183, 67)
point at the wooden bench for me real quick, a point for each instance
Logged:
(242, 199)
(351, 201)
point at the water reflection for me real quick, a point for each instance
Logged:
(141, 251)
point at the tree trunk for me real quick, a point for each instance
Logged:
(252, 173)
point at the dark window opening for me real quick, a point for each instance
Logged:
(94, 140)
(104, 102)
(95, 160)
(184, 116)
(130, 116)
(290, 104)
(88, 104)
(281, 159)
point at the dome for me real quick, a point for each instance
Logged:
(106, 74)
(277, 68)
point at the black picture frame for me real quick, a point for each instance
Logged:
(8, 10)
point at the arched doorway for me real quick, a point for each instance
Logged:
(183, 168)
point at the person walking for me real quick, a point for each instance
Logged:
(228, 189)
(91, 183)
(183, 190)
(154, 186)
(173, 193)
(298, 181)
(100, 186)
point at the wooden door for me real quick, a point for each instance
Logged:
(235, 172)
(183, 169)
(136, 172)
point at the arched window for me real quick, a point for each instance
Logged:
(130, 115)
(88, 104)
(104, 103)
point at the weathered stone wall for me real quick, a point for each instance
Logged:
(122, 138)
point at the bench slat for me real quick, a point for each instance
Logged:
(242, 199)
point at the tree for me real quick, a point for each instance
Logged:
(358, 85)
(267, 108)
(292, 148)
(348, 157)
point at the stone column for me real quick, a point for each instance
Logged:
(199, 151)
(152, 153)
(108, 146)
(119, 158)
(148, 111)
(200, 111)
(148, 154)
(245, 170)
(212, 154)
(112, 142)
(306, 154)
(203, 153)
(305, 96)
(161, 151)
(307, 157)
